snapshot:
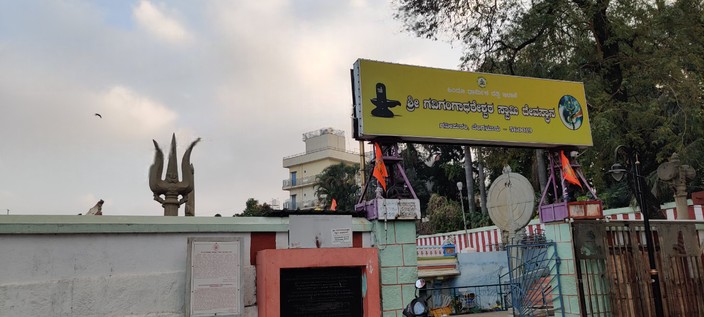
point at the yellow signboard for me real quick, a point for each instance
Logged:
(420, 104)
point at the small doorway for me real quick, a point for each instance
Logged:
(321, 292)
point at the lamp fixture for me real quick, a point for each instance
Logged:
(617, 171)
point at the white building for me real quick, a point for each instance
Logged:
(324, 147)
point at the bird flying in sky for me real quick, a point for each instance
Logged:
(98, 115)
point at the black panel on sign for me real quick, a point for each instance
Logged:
(321, 292)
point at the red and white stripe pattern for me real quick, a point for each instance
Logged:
(485, 239)
(695, 213)
(626, 216)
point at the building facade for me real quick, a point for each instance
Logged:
(324, 147)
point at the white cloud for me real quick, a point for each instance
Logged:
(127, 113)
(263, 73)
(159, 24)
(358, 3)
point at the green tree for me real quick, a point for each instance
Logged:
(338, 182)
(521, 161)
(642, 63)
(433, 172)
(446, 170)
(444, 215)
(433, 169)
(254, 209)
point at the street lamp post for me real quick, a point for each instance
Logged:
(617, 171)
(464, 218)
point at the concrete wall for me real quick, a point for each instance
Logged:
(101, 274)
(480, 268)
(326, 139)
(118, 266)
(477, 269)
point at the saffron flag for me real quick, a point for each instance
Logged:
(567, 171)
(333, 205)
(380, 172)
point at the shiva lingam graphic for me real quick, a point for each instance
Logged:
(170, 187)
(382, 104)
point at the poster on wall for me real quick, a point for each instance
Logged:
(422, 104)
(214, 277)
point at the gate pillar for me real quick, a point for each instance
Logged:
(398, 262)
(566, 270)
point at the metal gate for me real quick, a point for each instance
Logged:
(534, 277)
(613, 270)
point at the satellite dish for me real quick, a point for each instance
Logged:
(510, 201)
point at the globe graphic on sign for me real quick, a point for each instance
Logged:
(570, 112)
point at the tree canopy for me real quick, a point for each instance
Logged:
(338, 182)
(255, 209)
(444, 215)
(642, 64)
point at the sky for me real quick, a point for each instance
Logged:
(247, 77)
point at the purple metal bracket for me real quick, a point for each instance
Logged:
(394, 159)
(559, 209)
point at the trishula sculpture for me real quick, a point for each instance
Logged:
(171, 187)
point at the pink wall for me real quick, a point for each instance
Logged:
(270, 263)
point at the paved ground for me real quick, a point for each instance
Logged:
(507, 313)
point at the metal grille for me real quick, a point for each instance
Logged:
(682, 264)
(590, 256)
(614, 272)
(534, 277)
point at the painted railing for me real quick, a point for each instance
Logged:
(429, 250)
(629, 213)
(484, 239)
(488, 239)
(471, 298)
